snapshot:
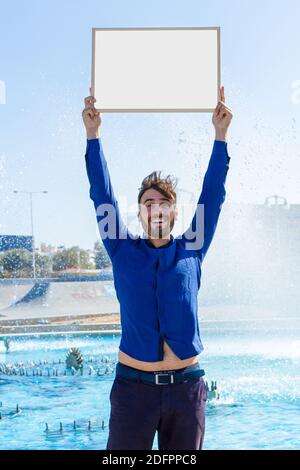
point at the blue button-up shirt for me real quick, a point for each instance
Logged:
(157, 288)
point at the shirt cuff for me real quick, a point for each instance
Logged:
(92, 145)
(220, 146)
(220, 143)
(92, 140)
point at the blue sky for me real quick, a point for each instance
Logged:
(45, 50)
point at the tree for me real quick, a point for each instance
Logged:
(16, 259)
(73, 257)
(102, 259)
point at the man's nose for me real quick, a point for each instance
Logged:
(156, 211)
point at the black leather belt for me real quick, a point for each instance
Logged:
(162, 377)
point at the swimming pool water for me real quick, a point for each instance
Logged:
(258, 376)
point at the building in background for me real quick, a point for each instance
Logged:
(9, 242)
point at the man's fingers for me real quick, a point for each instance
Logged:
(221, 105)
(226, 109)
(89, 100)
(89, 108)
(223, 112)
(218, 107)
(222, 94)
(90, 111)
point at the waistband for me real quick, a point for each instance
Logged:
(161, 377)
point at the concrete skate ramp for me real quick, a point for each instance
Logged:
(38, 290)
(47, 298)
(12, 290)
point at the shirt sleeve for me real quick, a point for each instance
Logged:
(210, 201)
(102, 194)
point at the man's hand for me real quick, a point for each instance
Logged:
(222, 117)
(91, 118)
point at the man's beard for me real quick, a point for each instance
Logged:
(161, 231)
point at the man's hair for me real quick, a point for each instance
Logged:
(165, 185)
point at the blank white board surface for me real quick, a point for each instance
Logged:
(156, 69)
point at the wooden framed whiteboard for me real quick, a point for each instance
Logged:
(156, 69)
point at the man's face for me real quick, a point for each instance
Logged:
(157, 214)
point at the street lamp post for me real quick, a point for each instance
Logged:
(30, 193)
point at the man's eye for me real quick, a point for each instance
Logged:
(164, 205)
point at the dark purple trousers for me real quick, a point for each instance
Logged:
(139, 409)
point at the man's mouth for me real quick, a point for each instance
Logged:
(158, 221)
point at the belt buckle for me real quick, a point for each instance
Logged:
(164, 373)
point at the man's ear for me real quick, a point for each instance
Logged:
(176, 213)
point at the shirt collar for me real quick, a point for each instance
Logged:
(150, 245)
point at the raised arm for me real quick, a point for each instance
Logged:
(200, 233)
(110, 223)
